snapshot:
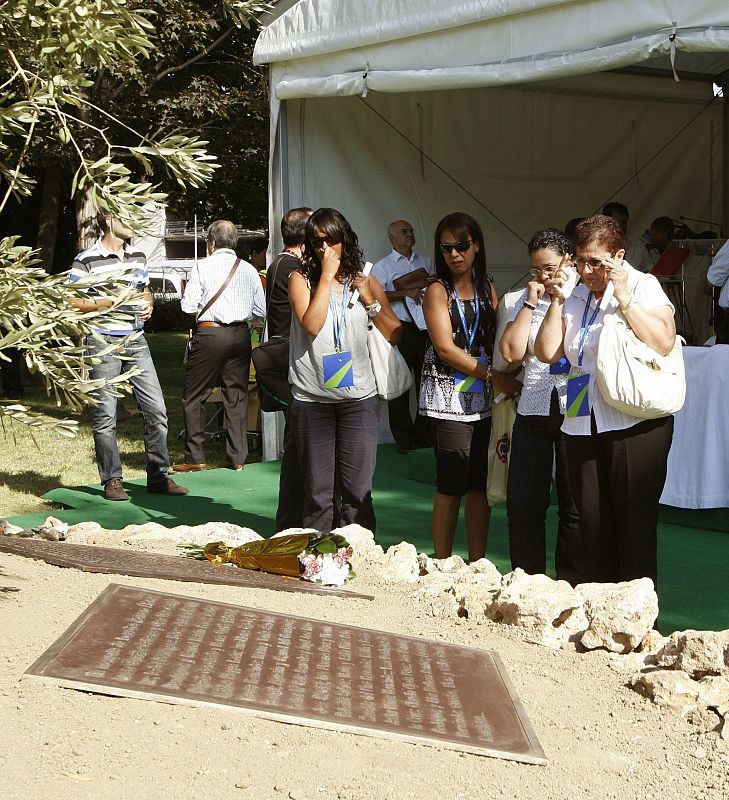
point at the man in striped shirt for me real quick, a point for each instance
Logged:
(111, 257)
(220, 351)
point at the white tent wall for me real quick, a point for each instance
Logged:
(534, 155)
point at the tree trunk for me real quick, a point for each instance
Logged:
(86, 228)
(48, 218)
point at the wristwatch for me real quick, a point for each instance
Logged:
(374, 309)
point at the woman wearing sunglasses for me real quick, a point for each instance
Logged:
(335, 410)
(456, 389)
(617, 462)
(537, 441)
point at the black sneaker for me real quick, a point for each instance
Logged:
(166, 487)
(114, 490)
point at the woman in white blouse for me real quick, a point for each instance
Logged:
(617, 462)
(537, 442)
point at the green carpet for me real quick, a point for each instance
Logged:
(693, 561)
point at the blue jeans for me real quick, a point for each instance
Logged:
(150, 401)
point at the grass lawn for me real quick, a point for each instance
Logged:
(34, 461)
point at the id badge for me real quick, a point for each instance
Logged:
(468, 383)
(577, 400)
(561, 367)
(338, 370)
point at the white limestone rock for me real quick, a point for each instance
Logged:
(425, 562)
(152, 532)
(57, 525)
(8, 529)
(485, 567)
(714, 691)
(550, 611)
(478, 597)
(619, 614)
(400, 563)
(451, 564)
(365, 552)
(671, 688)
(697, 653)
(653, 642)
(84, 532)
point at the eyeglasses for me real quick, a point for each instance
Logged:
(537, 272)
(460, 247)
(593, 263)
(318, 241)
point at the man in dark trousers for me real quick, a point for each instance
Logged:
(278, 323)
(224, 292)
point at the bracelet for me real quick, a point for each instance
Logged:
(529, 305)
(373, 309)
(625, 308)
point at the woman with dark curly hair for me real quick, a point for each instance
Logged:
(537, 441)
(335, 409)
(456, 393)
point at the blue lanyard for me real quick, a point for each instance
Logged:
(339, 321)
(586, 327)
(469, 334)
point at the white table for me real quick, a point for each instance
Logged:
(698, 464)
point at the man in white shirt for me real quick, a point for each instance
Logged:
(220, 352)
(718, 275)
(406, 432)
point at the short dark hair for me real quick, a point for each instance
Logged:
(258, 245)
(602, 229)
(223, 233)
(663, 224)
(615, 207)
(101, 216)
(462, 226)
(293, 225)
(569, 228)
(551, 239)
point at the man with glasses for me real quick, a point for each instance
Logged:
(403, 259)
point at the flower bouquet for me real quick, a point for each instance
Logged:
(319, 558)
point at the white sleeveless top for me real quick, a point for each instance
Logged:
(306, 371)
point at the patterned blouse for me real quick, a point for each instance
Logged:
(438, 399)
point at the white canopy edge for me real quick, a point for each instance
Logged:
(537, 68)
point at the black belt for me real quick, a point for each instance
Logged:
(220, 324)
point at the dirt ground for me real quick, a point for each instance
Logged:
(601, 738)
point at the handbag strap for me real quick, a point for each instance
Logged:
(220, 290)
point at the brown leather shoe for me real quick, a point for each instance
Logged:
(189, 467)
(166, 487)
(114, 490)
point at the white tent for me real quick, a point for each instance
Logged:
(524, 113)
(378, 107)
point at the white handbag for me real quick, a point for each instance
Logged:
(503, 415)
(392, 374)
(633, 378)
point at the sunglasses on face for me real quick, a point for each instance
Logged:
(318, 241)
(460, 247)
(593, 263)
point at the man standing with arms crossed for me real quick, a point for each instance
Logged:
(106, 259)
(406, 432)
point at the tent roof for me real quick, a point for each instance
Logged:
(334, 47)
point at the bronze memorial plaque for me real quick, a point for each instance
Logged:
(115, 561)
(155, 645)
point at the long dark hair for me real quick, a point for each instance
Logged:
(463, 227)
(333, 225)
